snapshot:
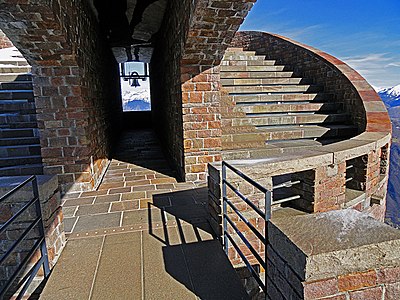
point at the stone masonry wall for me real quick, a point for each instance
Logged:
(350, 88)
(336, 255)
(75, 86)
(4, 41)
(187, 90)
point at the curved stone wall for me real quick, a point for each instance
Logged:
(359, 98)
(349, 173)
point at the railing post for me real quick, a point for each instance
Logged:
(224, 209)
(43, 247)
(268, 205)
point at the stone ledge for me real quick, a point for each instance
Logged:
(329, 244)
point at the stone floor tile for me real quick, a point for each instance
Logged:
(107, 198)
(94, 193)
(125, 205)
(78, 201)
(133, 195)
(93, 222)
(143, 188)
(69, 211)
(165, 273)
(69, 223)
(119, 274)
(94, 209)
(72, 278)
(142, 216)
(119, 190)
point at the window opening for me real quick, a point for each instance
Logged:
(135, 86)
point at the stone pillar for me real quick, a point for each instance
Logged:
(333, 255)
(330, 187)
(201, 119)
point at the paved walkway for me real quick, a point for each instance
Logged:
(142, 235)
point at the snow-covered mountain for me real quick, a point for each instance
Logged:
(390, 96)
(135, 99)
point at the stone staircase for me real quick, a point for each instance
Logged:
(268, 106)
(19, 141)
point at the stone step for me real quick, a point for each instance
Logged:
(15, 125)
(294, 88)
(289, 119)
(18, 107)
(264, 81)
(309, 131)
(253, 68)
(14, 69)
(16, 85)
(10, 141)
(20, 170)
(20, 160)
(242, 144)
(18, 133)
(289, 132)
(11, 77)
(7, 118)
(18, 62)
(255, 62)
(270, 74)
(288, 107)
(236, 52)
(276, 98)
(19, 150)
(16, 94)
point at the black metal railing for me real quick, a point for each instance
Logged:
(14, 223)
(265, 215)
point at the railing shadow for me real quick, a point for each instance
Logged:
(192, 255)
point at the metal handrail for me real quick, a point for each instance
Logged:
(265, 215)
(39, 244)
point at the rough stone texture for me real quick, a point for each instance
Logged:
(76, 96)
(186, 91)
(335, 255)
(4, 41)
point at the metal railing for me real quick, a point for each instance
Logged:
(265, 215)
(40, 243)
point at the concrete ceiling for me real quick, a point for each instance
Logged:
(130, 26)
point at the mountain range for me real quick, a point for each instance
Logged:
(391, 98)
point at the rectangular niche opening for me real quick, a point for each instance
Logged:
(356, 177)
(135, 87)
(295, 190)
(384, 161)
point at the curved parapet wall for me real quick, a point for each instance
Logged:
(359, 98)
(349, 173)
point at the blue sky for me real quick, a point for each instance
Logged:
(364, 34)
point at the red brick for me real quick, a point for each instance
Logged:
(322, 288)
(356, 281)
(370, 294)
(389, 275)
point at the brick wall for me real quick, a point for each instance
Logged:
(4, 41)
(76, 86)
(185, 91)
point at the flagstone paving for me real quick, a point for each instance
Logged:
(141, 235)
